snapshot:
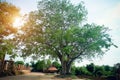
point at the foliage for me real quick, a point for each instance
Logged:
(80, 71)
(104, 71)
(32, 64)
(48, 63)
(41, 65)
(98, 71)
(116, 69)
(57, 65)
(91, 68)
(8, 12)
(84, 71)
(107, 68)
(19, 62)
(27, 65)
(57, 29)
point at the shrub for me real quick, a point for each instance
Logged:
(19, 62)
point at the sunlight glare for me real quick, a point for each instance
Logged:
(18, 22)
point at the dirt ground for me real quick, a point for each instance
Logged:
(35, 76)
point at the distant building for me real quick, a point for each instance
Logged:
(52, 69)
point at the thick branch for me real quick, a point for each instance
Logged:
(81, 53)
(57, 51)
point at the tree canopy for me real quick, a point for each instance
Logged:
(58, 29)
(8, 13)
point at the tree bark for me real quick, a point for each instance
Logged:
(63, 67)
(2, 64)
(66, 68)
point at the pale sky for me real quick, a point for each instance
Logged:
(102, 12)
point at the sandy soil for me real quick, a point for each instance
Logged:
(35, 76)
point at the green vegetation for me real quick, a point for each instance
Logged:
(19, 62)
(90, 71)
(7, 14)
(57, 30)
(41, 65)
(93, 71)
(57, 65)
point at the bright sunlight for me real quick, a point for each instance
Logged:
(18, 22)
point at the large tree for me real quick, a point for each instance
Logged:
(58, 29)
(8, 12)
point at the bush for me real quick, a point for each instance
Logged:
(77, 71)
(82, 71)
(91, 68)
(19, 62)
(57, 65)
(73, 70)
(40, 65)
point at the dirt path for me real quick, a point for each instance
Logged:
(34, 76)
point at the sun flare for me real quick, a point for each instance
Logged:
(18, 22)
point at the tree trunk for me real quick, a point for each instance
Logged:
(2, 64)
(63, 67)
(66, 68)
(68, 71)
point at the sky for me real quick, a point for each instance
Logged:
(101, 12)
